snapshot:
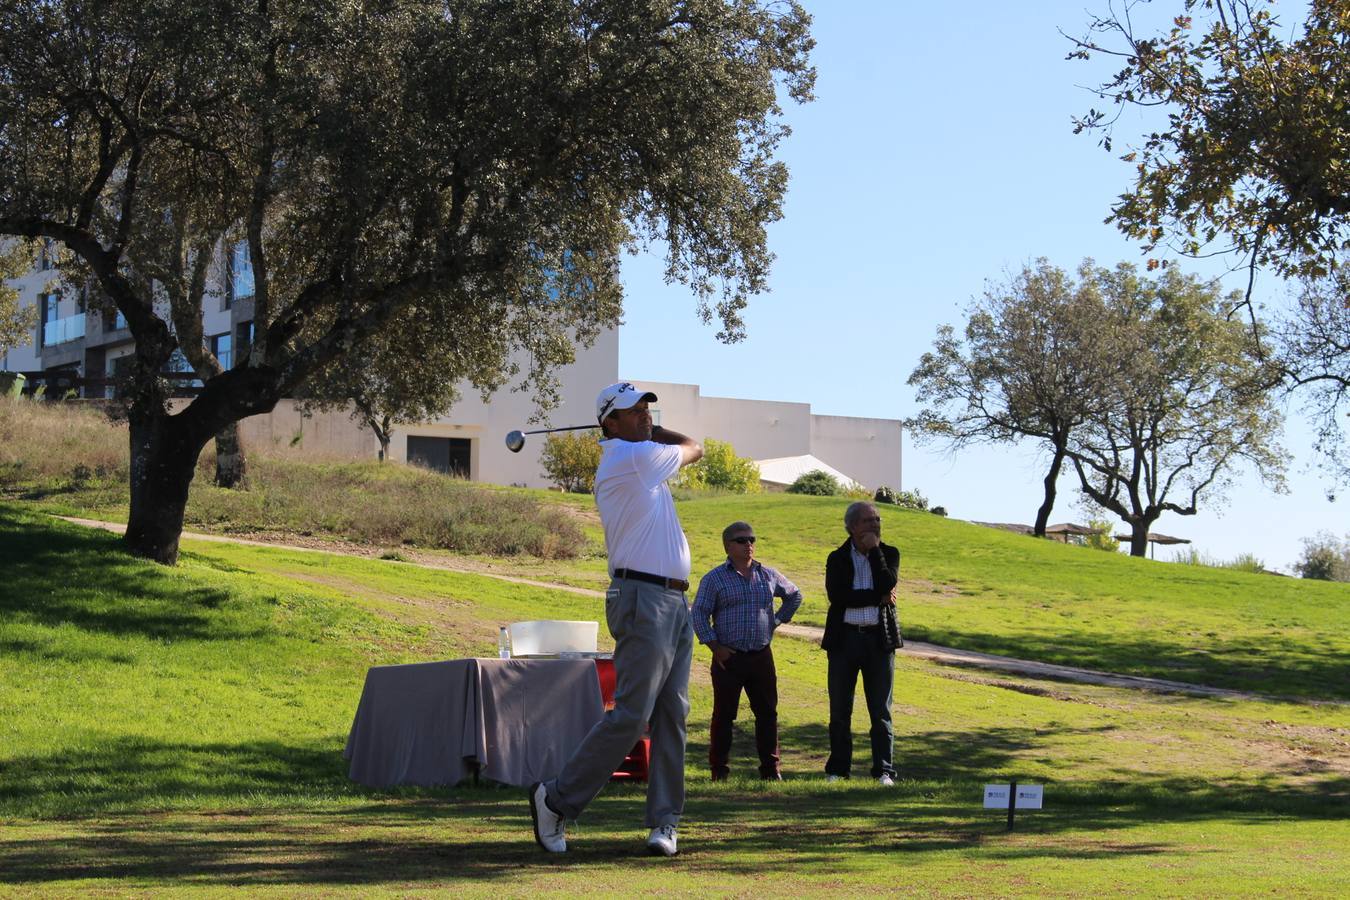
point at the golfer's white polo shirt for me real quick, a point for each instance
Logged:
(641, 529)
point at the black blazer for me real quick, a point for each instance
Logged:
(885, 561)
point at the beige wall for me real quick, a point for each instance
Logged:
(322, 434)
(487, 424)
(866, 450)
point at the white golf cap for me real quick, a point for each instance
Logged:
(623, 395)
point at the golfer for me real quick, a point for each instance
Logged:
(648, 616)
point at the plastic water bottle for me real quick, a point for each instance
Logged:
(503, 644)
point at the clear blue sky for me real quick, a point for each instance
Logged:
(939, 154)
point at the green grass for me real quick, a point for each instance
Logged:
(962, 585)
(174, 729)
(978, 588)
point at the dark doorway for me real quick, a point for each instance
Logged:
(448, 455)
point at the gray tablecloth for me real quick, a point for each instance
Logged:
(516, 720)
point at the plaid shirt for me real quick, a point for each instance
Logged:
(737, 610)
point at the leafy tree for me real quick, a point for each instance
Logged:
(1191, 403)
(1032, 365)
(721, 469)
(1251, 161)
(481, 163)
(816, 482)
(15, 323)
(570, 460)
(1256, 133)
(1324, 558)
(1101, 537)
(1314, 352)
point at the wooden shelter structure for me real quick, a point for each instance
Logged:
(1154, 538)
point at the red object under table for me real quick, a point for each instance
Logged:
(634, 766)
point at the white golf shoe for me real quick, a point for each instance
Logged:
(661, 842)
(548, 825)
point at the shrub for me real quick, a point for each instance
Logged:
(817, 483)
(570, 460)
(884, 495)
(1324, 558)
(721, 469)
(911, 500)
(1101, 537)
(939, 511)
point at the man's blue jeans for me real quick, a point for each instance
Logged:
(861, 652)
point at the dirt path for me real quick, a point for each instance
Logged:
(943, 655)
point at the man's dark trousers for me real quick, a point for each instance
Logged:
(754, 672)
(861, 651)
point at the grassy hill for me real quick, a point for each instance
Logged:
(181, 729)
(962, 585)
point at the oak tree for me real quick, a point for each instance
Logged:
(1249, 160)
(1192, 402)
(480, 162)
(1032, 364)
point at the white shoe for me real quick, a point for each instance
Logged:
(548, 825)
(886, 780)
(661, 842)
(833, 778)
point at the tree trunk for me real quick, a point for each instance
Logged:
(383, 428)
(230, 461)
(163, 461)
(1139, 538)
(1051, 482)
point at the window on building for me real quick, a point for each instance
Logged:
(49, 332)
(178, 365)
(47, 258)
(243, 339)
(221, 345)
(240, 274)
(448, 455)
(119, 369)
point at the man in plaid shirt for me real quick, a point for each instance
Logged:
(733, 614)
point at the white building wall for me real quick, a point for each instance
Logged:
(760, 429)
(867, 450)
(486, 424)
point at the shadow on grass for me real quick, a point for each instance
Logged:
(483, 836)
(64, 575)
(1273, 666)
(266, 813)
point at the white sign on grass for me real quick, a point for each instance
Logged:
(1028, 796)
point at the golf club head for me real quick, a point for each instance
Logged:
(515, 440)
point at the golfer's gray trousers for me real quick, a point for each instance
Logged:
(653, 645)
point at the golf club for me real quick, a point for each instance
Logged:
(516, 439)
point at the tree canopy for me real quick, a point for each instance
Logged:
(1256, 134)
(1144, 385)
(1191, 403)
(1033, 363)
(15, 322)
(1250, 160)
(480, 163)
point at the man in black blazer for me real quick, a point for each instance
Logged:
(860, 579)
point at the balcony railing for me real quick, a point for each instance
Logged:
(58, 331)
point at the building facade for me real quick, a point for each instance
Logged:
(74, 339)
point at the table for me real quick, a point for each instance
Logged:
(514, 721)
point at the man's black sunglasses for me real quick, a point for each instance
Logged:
(744, 539)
